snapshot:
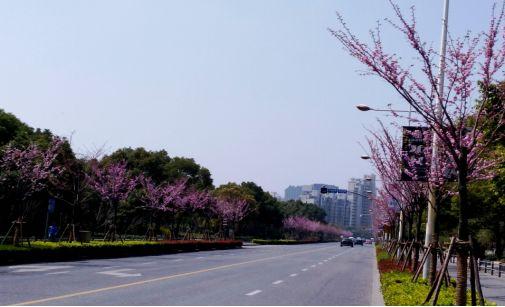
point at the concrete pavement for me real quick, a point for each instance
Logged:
(310, 274)
(493, 287)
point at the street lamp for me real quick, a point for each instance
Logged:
(364, 108)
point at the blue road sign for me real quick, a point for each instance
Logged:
(325, 190)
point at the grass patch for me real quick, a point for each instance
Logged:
(398, 290)
(382, 255)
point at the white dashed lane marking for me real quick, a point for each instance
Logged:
(37, 268)
(293, 275)
(304, 269)
(253, 292)
(121, 273)
(277, 282)
(57, 273)
(147, 263)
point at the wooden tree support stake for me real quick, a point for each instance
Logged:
(407, 257)
(421, 264)
(438, 280)
(475, 266)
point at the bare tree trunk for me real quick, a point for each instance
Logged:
(410, 220)
(498, 239)
(114, 224)
(462, 252)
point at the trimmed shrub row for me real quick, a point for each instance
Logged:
(66, 252)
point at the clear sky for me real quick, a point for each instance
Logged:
(253, 90)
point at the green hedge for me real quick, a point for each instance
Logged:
(285, 242)
(49, 251)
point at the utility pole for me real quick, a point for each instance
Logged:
(432, 202)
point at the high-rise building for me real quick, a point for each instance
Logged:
(361, 192)
(342, 211)
(292, 192)
(336, 208)
(354, 198)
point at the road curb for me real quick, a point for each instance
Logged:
(377, 299)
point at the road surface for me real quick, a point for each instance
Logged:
(309, 274)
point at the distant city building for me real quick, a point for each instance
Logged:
(292, 192)
(351, 210)
(336, 208)
(311, 194)
(361, 192)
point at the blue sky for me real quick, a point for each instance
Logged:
(253, 90)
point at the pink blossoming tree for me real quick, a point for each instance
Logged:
(114, 184)
(453, 115)
(231, 210)
(304, 227)
(28, 171)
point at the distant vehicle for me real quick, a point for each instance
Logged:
(368, 241)
(358, 242)
(347, 242)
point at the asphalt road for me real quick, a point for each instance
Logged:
(311, 274)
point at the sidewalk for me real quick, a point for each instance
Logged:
(493, 287)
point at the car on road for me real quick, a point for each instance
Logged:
(368, 241)
(347, 242)
(359, 241)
